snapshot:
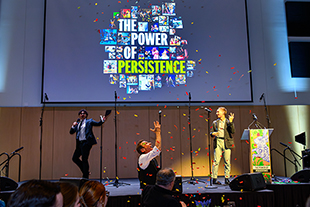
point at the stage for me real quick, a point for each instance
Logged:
(275, 195)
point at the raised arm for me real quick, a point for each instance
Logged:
(157, 132)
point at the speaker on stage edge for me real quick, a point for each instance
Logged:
(7, 184)
(248, 182)
(75, 181)
(302, 176)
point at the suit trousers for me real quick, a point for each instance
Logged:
(82, 149)
(219, 152)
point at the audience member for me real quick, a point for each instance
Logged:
(161, 193)
(70, 194)
(93, 194)
(37, 193)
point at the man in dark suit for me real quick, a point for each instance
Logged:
(85, 139)
(222, 131)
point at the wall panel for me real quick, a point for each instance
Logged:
(10, 138)
(20, 127)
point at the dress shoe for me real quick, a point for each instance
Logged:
(227, 182)
(216, 182)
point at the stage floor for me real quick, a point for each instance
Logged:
(200, 187)
(276, 194)
(220, 195)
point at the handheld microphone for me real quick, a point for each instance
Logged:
(208, 110)
(17, 150)
(78, 120)
(285, 145)
(261, 97)
(254, 117)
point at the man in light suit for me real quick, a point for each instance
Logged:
(222, 131)
(85, 139)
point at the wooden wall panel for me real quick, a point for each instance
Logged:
(30, 139)
(10, 138)
(171, 142)
(47, 143)
(20, 127)
(134, 124)
(288, 121)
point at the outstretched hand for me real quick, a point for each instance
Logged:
(231, 117)
(156, 127)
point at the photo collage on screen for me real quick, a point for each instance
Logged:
(144, 51)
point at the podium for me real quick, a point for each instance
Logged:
(259, 151)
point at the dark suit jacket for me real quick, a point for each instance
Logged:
(229, 130)
(155, 196)
(90, 138)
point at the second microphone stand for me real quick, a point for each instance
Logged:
(160, 157)
(209, 146)
(192, 179)
(116, 182)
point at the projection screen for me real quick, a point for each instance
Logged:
(146, 51)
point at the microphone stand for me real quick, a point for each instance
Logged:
(101, 153)
(192, 180)
(267, 115)
(41, 132)
(7, 161)
(268, 126)
(209, 146)
(116, 183)
(160, 157)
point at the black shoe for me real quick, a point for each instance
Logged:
(216, 182)
(227, 182)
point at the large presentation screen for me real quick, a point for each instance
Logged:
(146, 51)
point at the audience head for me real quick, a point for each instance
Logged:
(70, 194)
(165, 178)
(93, 193)
(37, 193)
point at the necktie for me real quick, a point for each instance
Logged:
(81, 124)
